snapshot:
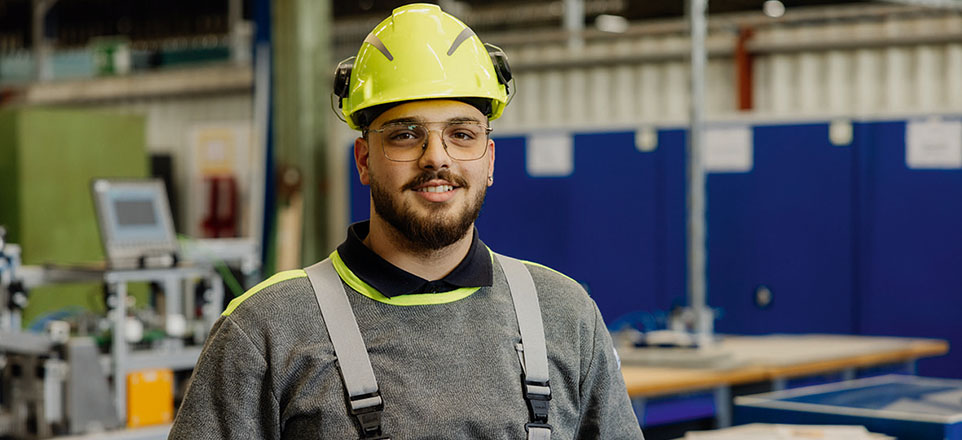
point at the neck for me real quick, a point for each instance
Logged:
(429, 264)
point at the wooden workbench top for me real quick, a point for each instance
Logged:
(764, 358)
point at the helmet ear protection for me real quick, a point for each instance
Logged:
(342, 80)
(342, 74)
(501, 67)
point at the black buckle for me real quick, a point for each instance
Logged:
(537, 403)
(369, 417)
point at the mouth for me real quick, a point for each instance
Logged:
(436, 183)
(435, 188)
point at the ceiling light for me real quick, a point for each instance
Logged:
(773, 8)
(611, 23)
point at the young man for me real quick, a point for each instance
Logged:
(413, 328)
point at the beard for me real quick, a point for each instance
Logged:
(437, 229)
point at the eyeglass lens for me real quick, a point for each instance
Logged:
(406, 141)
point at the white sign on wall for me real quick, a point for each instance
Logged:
(933, 144)
(549, 155)
(728, 149)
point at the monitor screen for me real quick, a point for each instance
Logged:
(137, 212)
(134, 219)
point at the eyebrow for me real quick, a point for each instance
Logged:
(415, 120)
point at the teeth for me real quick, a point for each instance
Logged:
(436, 189)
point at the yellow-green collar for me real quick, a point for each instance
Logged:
(417, 299)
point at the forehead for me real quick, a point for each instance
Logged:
(434, 110)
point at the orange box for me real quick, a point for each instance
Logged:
(150, 397)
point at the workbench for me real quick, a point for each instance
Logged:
(775, 359)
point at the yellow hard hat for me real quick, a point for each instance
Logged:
(421, 52)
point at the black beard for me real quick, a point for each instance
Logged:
(432, 233)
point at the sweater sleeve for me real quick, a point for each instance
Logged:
(606, 409)
(228, 396)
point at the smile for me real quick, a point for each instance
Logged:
(436, 189)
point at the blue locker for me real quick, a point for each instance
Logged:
(910, 247)
(787, 225)
(598, 225)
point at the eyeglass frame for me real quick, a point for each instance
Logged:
(427, 138)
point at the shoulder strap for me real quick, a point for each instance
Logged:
(354, 362)
(537, 391)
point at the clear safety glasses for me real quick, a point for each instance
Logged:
(406, 141)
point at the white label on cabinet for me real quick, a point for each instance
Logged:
(933, 144)
(728, 150)
(550, 155)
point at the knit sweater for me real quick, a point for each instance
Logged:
(446, 370)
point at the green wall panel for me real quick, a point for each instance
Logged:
(49, 157)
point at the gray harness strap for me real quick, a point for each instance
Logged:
(355, 364)
(535, 380)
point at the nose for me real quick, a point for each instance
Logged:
(434, 156)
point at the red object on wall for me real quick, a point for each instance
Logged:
(220, 220)
(743, 69)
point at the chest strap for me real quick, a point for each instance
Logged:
(364, 398)
(355, 364)
(534, 384)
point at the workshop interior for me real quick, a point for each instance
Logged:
(763, 197)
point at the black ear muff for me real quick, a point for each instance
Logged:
(342, 79)
(500, 61)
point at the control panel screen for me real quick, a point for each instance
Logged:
(135, 212)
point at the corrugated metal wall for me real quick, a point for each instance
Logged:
(892, 65)
(883, 65)
(842, 62)
(639, 90)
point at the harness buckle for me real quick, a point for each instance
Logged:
(537, 395)
(367, 409)
(531, 425)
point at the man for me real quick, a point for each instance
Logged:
(413, 328)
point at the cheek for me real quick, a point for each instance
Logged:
(386, 175)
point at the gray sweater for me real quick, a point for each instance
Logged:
(445, 371)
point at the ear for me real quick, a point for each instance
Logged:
(362, 152)
(491, 163)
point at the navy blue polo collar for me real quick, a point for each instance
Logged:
(475, 270)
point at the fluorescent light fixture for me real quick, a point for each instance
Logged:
(615, 24)
(773, 8)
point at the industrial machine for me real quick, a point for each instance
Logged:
(13, 296)
(87, 372)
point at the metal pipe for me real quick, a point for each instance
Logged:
(234, 17)
(744, 64)
(574, 23)
(936, 4)
(697, 290)
(854, 42)
(41, 50)
(261, 122)
(351, 31)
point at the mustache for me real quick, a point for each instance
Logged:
(428, 176)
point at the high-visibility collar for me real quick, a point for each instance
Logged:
(390, 281)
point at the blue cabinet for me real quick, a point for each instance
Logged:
(785, 225)
(909, 247)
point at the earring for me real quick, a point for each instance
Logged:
(491, 179)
